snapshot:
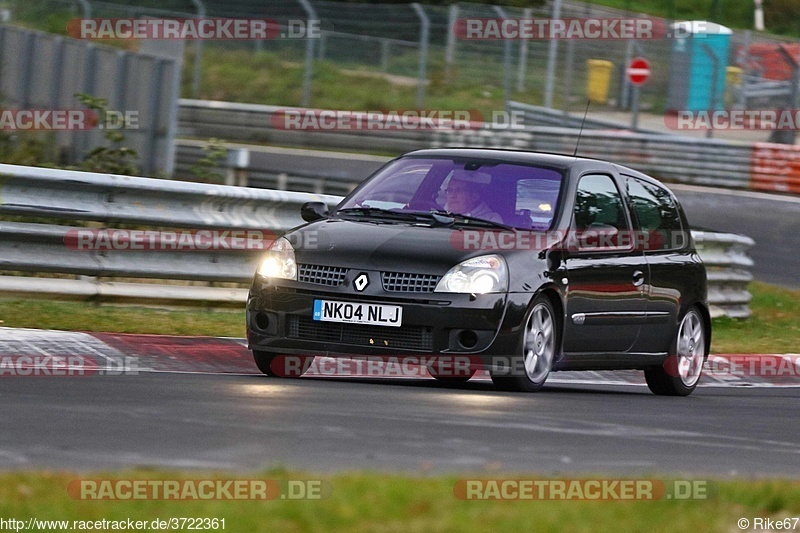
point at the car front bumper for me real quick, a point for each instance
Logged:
(279, 320)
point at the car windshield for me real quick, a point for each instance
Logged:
(520, 196)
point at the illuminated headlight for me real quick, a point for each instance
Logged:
(478, 275)
(279, 261)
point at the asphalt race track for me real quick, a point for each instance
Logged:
(197, 403)
(772, 220)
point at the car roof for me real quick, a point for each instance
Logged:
(524, 157)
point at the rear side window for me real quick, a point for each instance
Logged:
(657, 213)
(599, 204)
(599, 220)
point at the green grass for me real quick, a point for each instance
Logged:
(380, 502)
(77, 316)
(773, 328)
(268, 78)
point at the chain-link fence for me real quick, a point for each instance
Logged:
(417, 50)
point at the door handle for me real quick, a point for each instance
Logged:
(638, 278)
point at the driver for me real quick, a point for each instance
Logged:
(463, 195)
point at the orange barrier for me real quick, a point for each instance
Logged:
(775, 167)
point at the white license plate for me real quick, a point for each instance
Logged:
(358, 313)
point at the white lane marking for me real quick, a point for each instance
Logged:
(735, 192)
(13, 457)
(12, 339)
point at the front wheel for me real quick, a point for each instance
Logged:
(538, 347)
(681, 371)
(284, 366)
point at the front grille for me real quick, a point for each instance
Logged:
(407, 282)
(404, 337)
(321, 275)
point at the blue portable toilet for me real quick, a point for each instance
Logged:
(692, 69)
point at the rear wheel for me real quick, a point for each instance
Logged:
(681, 371)
(284, 366)
(528, 371)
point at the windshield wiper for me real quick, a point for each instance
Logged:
(459, 218)
(379, 212)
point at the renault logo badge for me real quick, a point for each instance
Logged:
(361, 282)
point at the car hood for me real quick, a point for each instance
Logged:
(398, 247)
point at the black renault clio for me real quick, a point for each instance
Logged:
(524, 262)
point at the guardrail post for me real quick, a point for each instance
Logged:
(309, 68)
(238, 163)
(198, 50)
(552, 57)
(424, 37)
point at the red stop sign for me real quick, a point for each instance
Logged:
(638, 71)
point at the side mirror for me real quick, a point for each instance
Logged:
(555, 259)
(313, 211)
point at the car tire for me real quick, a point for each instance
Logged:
(538, 348)
(682, 368)
(276, 365)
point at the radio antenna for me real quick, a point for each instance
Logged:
(580, 132)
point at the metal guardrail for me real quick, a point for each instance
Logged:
(729, 271)
(68, 196)
(671, 157)
(131, 201)
(683, 159)
(74, 195)
(237, 122)
(536, 116)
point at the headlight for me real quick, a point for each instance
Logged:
(478, 275)
(279, 261)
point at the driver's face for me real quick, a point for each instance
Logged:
(460, 197)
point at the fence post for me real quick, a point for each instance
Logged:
(450, 52)
(321, 47)
(309, 68)
(523, 55)
(506, 59)
(552, 57)
(86, 8)
(198, 50)
(567, 92)
(741, 99)
(625, 83)
(780, 135)
(423, 53)
(385, 54)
